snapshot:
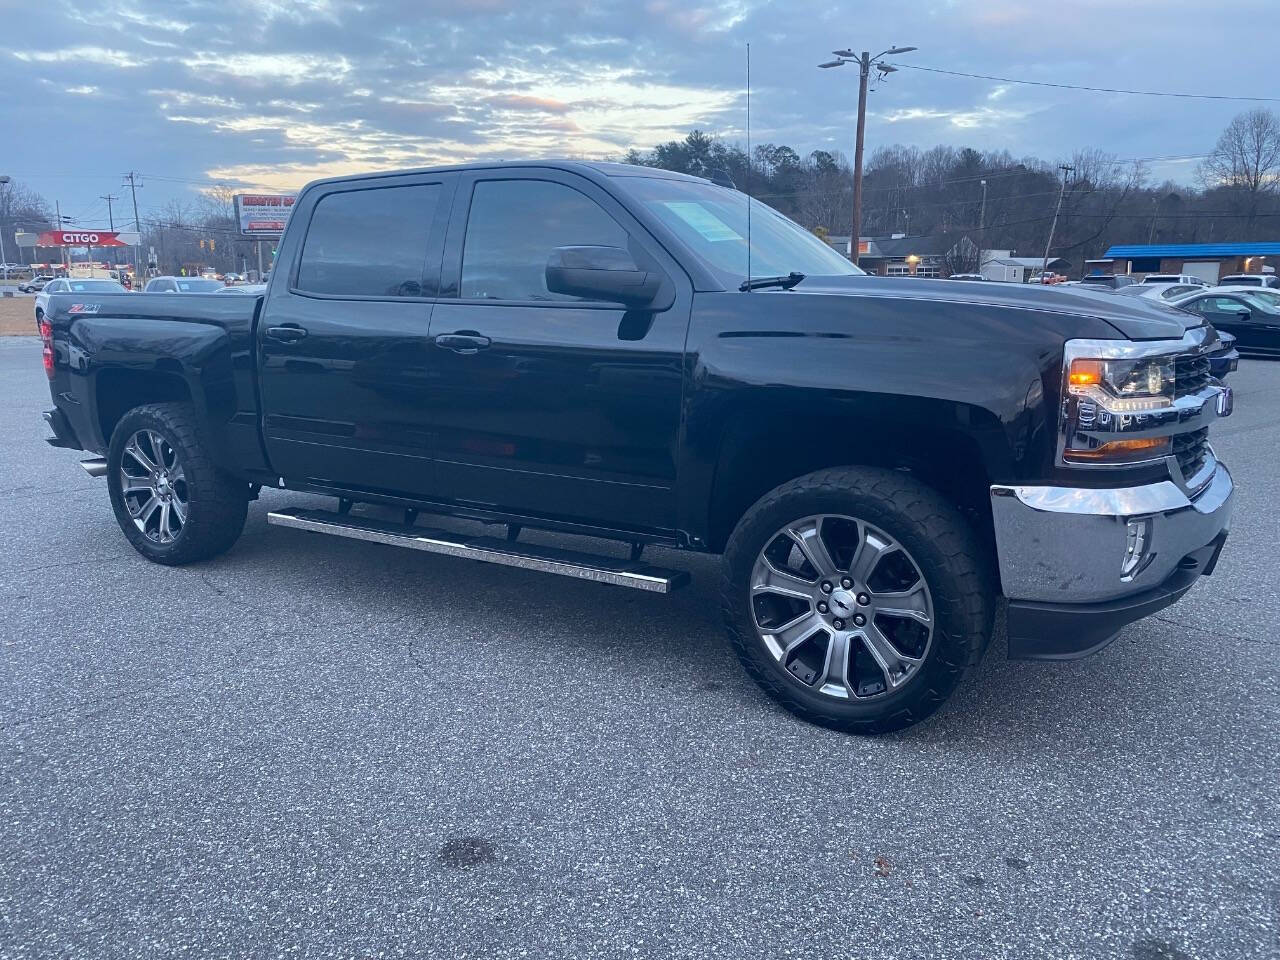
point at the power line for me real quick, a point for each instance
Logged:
(1074, 86)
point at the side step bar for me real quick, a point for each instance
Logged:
(96, 467)
(568, 563)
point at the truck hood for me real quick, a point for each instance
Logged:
(1134, 318)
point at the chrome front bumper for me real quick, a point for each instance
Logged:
(1077, 564)
(1069, 544)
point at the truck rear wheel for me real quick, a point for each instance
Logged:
(169, 498)
(856, 597)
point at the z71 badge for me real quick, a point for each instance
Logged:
(85, 308)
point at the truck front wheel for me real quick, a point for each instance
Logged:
(856, 597)
(173, 504)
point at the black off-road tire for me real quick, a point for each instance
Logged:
(216, 502)
(943, 546)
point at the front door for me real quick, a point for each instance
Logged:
(550, 405)
(1255, 326)
(344, 354)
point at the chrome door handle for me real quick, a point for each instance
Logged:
(290, 333)
(464, 342)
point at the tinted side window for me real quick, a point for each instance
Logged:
(369, 243)
(512, 228)
(1222, 306)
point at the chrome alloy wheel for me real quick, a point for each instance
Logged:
(153, 486)
(842, 606)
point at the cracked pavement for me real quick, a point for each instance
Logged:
(317, 747)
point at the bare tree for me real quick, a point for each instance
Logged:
(828, 200)
(1246, 160)
(21, 206)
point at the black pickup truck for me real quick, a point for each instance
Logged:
(598, 349)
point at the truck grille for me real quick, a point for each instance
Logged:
(1191, 449)
(1190, 373)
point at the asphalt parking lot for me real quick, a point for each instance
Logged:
(318, 747)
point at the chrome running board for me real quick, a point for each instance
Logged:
(567, 563)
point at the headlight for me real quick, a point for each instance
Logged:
(1123, 386)
(1113, 405)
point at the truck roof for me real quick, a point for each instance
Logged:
(593, 169)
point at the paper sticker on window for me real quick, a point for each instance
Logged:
(703, 220)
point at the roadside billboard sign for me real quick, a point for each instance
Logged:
(262, 216)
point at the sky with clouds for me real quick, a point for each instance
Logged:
(268, 95)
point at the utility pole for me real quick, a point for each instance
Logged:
(57, 207)
(4, 180)
(865, 62)
(982, 226)
(1054, 225)
(1155, 209)
(111, 221)
(131, 178)
(982, 210)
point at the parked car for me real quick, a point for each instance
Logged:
(1269, 280)
(245, 289)
(1107, 280)
(1253, 320)
(92, 286)
(1158, 291)
(966, 276)
(1186, 279)
(183, 285)
(574, 347)
(36, 283)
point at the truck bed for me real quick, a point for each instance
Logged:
(197, 347)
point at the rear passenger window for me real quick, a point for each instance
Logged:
(369, 243)
(512, 228)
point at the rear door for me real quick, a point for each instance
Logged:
(343, 340)
(563, 408)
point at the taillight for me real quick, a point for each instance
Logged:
(46, 337)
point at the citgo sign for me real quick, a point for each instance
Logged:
(86, 238)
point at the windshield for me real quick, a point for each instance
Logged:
(198, 286)
(712, 222)
(94, 286)
(1259, 301)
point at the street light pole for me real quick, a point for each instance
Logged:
(865, 62)
(864, 70)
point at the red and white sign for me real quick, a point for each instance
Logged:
(263, 215)
(86, 238)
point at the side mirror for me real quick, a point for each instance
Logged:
(602, 273)
(1244, 315)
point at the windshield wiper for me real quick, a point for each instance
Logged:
(759, 283)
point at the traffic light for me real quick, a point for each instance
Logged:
(211, 245)
(201, 243)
